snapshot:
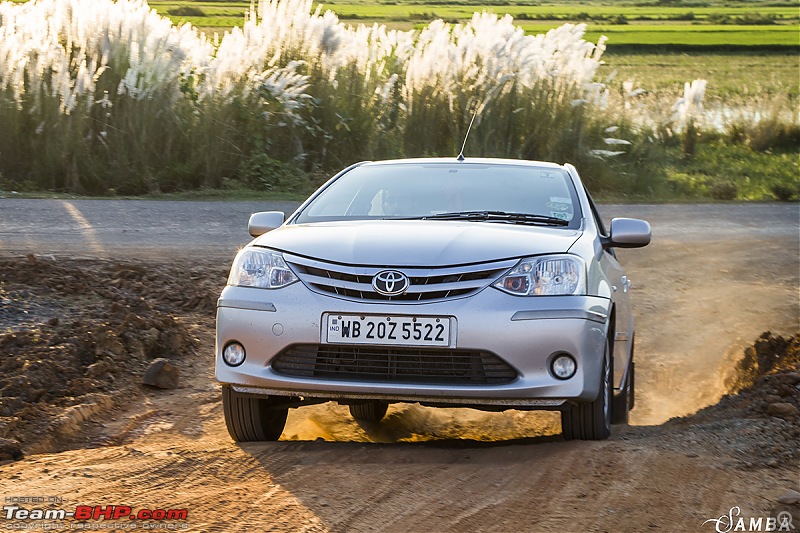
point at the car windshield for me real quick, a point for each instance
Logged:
(480, 192)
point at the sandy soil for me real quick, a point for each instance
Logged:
(699, 299)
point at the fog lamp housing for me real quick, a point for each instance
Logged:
(563, 366)
(233, 354)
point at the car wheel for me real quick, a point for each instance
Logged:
(250, 418)
(591, 420)
(371, 411)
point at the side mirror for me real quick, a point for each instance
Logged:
(265, 221)
(629, 233)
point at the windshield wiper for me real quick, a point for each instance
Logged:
(498, 216)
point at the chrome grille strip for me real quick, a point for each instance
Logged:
(341, 284)
(452, 286)
(411, 272)
(427, 284)
(414, 289)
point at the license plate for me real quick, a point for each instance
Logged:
(387, 330)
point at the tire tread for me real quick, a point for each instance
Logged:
(252, 419)
(586, 421)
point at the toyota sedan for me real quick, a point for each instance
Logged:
(491, 284)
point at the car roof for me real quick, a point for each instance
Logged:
(466, 161)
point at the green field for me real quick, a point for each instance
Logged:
(685, 35)
(553, 12)
(734, 25)
(706, 22)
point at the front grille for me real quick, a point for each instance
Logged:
(393, 365)
(426, 284)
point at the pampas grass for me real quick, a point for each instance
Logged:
(102, 96)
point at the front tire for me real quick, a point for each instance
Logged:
(250, 418)
(591, 420)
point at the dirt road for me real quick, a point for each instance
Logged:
(715, 277)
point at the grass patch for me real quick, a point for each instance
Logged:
(733, 78)
(700, 35)
(218, 24)
(186, 11)
(724, 171)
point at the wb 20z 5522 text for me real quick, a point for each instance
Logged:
(404, 330)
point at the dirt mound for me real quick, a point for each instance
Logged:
(758, 423)
(769, 355)
(75, 337)
(766, 382)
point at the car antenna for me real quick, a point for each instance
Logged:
(461, 154)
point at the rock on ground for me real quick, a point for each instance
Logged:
(162, 374)
(10, 450)
(790, 498)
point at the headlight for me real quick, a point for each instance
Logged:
(552, 275)
(260, 268)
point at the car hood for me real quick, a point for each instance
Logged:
(416, 242)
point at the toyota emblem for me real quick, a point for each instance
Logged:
(390, 282)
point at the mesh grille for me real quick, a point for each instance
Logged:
(393, 365)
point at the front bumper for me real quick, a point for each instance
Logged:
(524, 332)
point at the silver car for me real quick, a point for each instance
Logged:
(483, 283)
